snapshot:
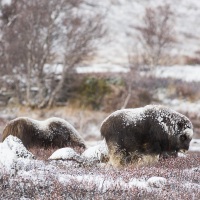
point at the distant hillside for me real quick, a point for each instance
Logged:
(123, 15)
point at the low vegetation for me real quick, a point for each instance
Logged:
(68, 180)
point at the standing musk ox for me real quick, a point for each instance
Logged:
(53, 132)
(141, 135)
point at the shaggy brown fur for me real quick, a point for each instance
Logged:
(132, 135)
(53, 132)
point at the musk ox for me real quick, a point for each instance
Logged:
(53, 132)
(133, 135)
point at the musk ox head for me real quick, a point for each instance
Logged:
(176, 126)
(183, 131)
(183, 140)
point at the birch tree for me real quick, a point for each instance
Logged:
(36, 33)
(157, 34)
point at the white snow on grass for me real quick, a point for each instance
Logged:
(42, 173)
(140, 183)
(105, 183)
(102, 68)
(182, 155)
(45, 173)
(195, 145)
(6, 2)
(185, 73)
(157, 182)
(53, 68)
(183, 105)
(90, 68)
(188, 73)
(191, 186)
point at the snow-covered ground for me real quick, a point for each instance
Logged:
(186, 73)
(102, 68)
(123, 15)
(62, 171)
(121, 18)
(195, 145)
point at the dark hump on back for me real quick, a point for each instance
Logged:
(58, 128)
(59, 133)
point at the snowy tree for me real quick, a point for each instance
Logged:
(157, 34)
(34, 33)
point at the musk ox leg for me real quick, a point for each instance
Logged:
(133, 158)
(116, 155)
(118, 158)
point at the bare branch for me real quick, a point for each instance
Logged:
(36, 33)
(157, 34)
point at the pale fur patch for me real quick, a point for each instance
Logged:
(118, 159)
(188, 132)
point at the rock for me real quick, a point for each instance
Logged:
(17, 147)
(12, 150)
(66, 154)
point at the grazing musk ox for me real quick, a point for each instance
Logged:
(53, 132)
(153, 130)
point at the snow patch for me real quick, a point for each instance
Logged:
(156, 182)
(6, 2)
(140, 183)
(186, 73)
(182, 155)
(194, 145)
(102, 68)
